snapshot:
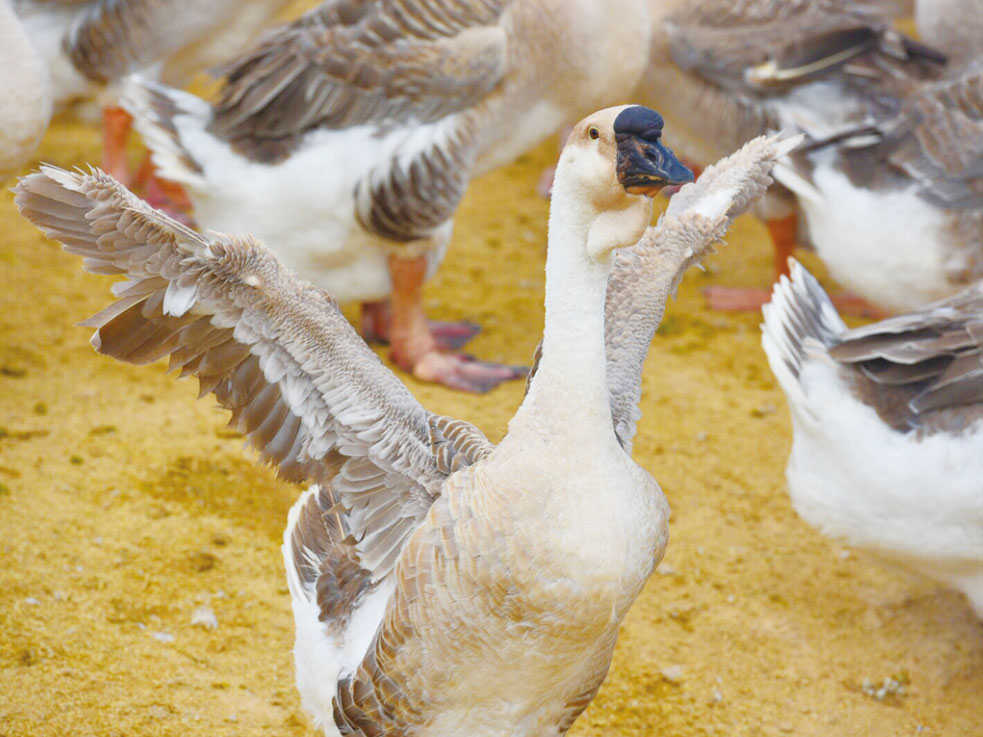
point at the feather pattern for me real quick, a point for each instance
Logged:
(275, 351)
(355, 61)
(938, 140)
(794, 41)
(111, 38)
(932, 358)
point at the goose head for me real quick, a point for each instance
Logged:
(612, 165)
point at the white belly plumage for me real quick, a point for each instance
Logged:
(886, 246)
(914, 500)
(304, 207)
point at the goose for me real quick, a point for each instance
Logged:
(347, 138)
(953, 25)
(822, 68)
(89, 45)
(887, 452)
(428, 594)
(895, 207)
(26, 103)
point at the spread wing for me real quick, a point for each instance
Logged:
(934, 354)
(752, 46)
(273, 349)
(645, 275)
(355, 61)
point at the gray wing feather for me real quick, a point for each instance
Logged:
(114, 37)
(750, 46)
(355, 61)
(646, 274)
(938, 139)
(935, 354)
(276, 351)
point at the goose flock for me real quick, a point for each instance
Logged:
(441, 584)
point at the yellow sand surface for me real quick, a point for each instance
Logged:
(126, 506)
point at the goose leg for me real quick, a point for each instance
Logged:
(738, 299)
(415, 349)
(116, 123)
(377, 318)
(741, 299)
(162, 193)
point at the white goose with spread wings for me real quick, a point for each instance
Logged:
(425, 591)
(888, 427)
(347, 138)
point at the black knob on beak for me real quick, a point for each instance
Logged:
(644, 165)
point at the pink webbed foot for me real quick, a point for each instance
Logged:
(417, 348)
(463, 372)
(376, 325)
(453, 335)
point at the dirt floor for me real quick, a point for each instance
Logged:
(128, 513)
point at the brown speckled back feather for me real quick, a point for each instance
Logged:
(355, 61)
(923, 362)
(115, 37)
(276, 351)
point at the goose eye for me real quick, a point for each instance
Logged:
(594, 133)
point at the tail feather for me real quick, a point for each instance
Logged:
(799, 312)
(320, 558)
(160, 114)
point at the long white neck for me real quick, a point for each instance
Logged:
(569, 393)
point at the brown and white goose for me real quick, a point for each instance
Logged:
(895, 207)
(347, 138)
(828, 69)
(89, 45)
(888, 427)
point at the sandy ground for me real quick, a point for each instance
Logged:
(125, 506)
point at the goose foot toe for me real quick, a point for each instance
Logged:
(453, 335)
(544, 187)
(739, 299)
(463, 372)
(736, 299)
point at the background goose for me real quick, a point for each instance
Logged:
(818, 67)
(888, 422)
(89, 45)
(25, 105)
(895, 207)
(347, 138)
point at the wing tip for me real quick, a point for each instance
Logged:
(799, 310)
